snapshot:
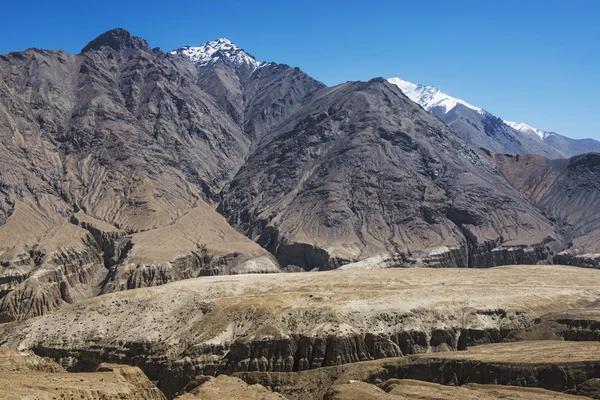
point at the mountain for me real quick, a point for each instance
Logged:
(569, 147)
(219, 50)
(111, 158)
(125, 167)
(132, 179)
(482, 129)
(361, 174)
(567, 191)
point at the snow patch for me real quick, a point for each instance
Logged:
(524, 128)
(211, 52)
(430, 97)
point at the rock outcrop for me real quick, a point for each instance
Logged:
(567, 191)
(227, 387)
(23, 375)
(508, 370)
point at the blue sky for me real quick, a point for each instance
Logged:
(530, 60)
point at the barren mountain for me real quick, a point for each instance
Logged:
(110, 162)
(361, 173)
(483, 129)
(117, 162)
(567, 191)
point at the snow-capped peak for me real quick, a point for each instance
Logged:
(430, 97)
(523, 127)
(211, 52)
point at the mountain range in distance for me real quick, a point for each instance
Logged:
(482, 129)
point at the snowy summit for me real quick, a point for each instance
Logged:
(430, 97)
(211, 52)
(523, 127)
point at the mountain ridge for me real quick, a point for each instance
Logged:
(482, 129)
(125, 167)
(213, 51)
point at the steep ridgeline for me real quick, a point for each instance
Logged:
(567, 191)
(482, 129)
(363, 175)
(112, 160)
(257, 95)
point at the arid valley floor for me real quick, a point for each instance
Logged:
(514, 332)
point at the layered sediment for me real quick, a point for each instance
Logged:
(301, 321)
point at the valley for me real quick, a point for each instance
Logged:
(264, 327)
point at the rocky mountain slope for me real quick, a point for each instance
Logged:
(567, 191)
(126, 167)
(362, 173)
(112, 160)
(482, 129)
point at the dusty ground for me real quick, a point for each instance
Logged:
(223, 309)
(230, 388)
(24, 375)
(407, 389)
(538, 351)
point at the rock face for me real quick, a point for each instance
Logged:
(24, 375)
(294, 322)
(360, 172)
(567, 191)
(507, 370)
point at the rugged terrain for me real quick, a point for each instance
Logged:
(483, 129)
(24, 375)
(296, 322)
(567, 191)
(523, 370)
(126, 167)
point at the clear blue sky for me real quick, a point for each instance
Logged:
(536, 61)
